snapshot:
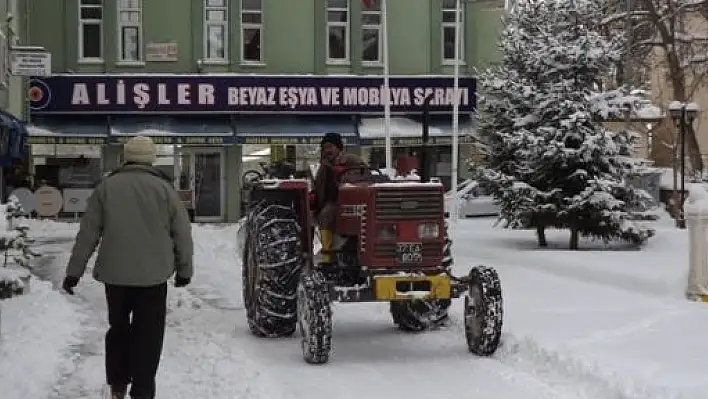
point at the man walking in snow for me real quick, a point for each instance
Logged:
(145, 237)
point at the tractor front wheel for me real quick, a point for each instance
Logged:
(483, 311)
(314, 312)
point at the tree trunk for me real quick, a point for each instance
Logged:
(678, 88)
(574, 239)
(541, 235)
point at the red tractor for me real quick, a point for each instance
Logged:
(391, 245)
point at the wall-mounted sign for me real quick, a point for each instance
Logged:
(76, 199)
(73, 140)
(30, 63)
(161, 52)
(228, 94)
(290, 140)
(414, 141)
(185, 140)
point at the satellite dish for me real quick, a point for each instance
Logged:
(26, 198)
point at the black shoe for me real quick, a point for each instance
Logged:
(118, 391)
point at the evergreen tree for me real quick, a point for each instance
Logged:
(15, 242)
(551, 163)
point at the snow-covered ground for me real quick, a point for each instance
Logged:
(596, 323)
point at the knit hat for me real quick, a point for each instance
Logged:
(140, 149)
(333, 138)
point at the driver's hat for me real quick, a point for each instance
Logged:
(333, 138)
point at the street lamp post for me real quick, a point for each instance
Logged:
(683, 115)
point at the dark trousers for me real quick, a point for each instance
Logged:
(134, 345)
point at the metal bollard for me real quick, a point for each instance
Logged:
(696, 209)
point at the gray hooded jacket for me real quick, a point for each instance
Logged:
(143, 229)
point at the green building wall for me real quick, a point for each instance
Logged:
(294, 36)
(12, 24)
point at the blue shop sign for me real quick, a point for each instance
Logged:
(228, 94)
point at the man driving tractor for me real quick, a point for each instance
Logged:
(334, 165)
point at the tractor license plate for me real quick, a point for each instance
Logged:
(409, 252)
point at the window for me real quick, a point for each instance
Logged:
(371, 33)
(448, 32)
(216, 23)
(337, 31)
(251, 31)
(130, 30)
(91, 30)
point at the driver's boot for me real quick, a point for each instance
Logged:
(327, 241)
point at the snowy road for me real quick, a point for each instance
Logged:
(209, 352)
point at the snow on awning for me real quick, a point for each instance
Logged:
(86, 131)
(173, 130)
(408, 132)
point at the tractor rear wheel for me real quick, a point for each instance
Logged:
(483, 311)
(272, 263)
(314, 309)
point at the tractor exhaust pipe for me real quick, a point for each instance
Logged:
(424, 151)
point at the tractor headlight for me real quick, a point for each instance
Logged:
(428, 230)
(388, 232)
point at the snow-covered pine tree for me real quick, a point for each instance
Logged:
(550, 162)
(15, 242)
(506, 110)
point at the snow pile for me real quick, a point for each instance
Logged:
(37, 330)
(13, 280)
(218, 245)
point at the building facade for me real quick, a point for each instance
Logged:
(224, 84)
(13, 150)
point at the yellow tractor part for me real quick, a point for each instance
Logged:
(386, 287)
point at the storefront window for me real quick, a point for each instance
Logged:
(66, 166)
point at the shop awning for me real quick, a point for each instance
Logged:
(293, 130)
(203, 130)
(409, 131)
(73, 131)
(13, 137)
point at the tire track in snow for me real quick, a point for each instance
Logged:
(525, 353)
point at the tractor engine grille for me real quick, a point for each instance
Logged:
(430, 250)
(408, 204)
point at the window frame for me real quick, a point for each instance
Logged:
(451, 25)
(251, 25)
(206, 23)
(80, 36)
(372, 27)
(347, 33)
(138, 25)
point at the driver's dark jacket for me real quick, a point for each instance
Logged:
(326, 187)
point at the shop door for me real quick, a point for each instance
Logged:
(199, 176)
